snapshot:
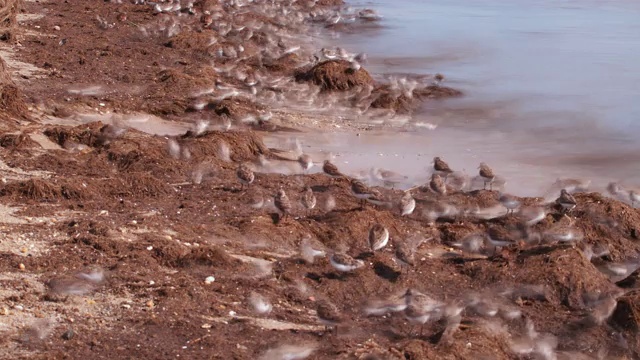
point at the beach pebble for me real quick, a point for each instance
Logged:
(56, 28)
(209, 280)
(232, 313)
(21, 266)
(126, 306)
(19, 307)
(206, 326)
(150, 304)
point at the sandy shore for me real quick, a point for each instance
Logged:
(127, 234)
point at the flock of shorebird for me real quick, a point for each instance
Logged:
(419, 308)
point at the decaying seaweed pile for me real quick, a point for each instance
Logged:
(134, 209)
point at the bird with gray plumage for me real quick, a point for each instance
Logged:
(421, 308)
(510, 202)
(531, 215)
(624, 194)
(562, 234)
(481, 243)
(310, 250)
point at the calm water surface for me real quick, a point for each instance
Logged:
(552, 87)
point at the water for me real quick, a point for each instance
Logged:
(562, 58)
(552, 87)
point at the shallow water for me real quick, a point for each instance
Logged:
(551, 87)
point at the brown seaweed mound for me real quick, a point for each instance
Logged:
(336, 75)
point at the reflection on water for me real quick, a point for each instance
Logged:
(528, 168)
(551, 87)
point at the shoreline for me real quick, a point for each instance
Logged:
(117, 241)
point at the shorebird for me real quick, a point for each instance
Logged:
(603, 309)
(634, 196)
(387, 177)
(109, 133)
(308, 199)
(282, 203)
(345, 263)
(562, 234)
(510, 202)
(361, 191)
(331, 170)
(405, 254)
(309, 250)
(305, 162)
(378, 237)
(572, 185)
(256, 199)
(622, 193)
(499, 237)
(482, 244)
(532, 215)
(434, 210)
(245, 175)
(566, 201)
(437, 185)
(407, 204)
(421, 308)
(328, 315)
(614, 188)
(486, 173)
(260, 304)
(440, 166)
(368, 15)
(439, 78)
(405, 250)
